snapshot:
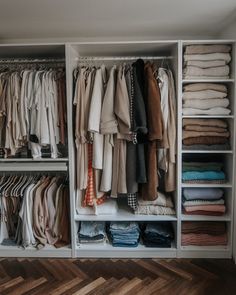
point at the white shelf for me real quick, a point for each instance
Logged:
(124, 215)
(47, 251)
(206, 185)
(33, 166)
(107, 250)
(207, 117)
(33, 160)
(207, 152)
(185, 81)
(225, 217)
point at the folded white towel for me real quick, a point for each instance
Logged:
(217, 71)
(214, 111)
(205, 103)
(207, 57)
(205, 64)
(204, 94)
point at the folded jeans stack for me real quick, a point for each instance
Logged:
(198, 233)
(158, 234)
(124, 234)
(92, 232)
(203, 201)
(207, 61)
(163, 205)
(203, 172)
(205, 134)
(205, 99)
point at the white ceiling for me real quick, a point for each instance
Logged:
(37, 19)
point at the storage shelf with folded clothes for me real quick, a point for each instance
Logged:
(208, 99)
(204, 234)
(203, 201)
(124, 234)
(203, 172)
(206, 135)
(207, 61)
(163, 208)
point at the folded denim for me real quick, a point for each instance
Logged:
(160, 229)
(125, 225)
(125, 245)
(92, 228)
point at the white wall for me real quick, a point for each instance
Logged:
(229, 32)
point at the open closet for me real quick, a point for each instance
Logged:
(200, 92)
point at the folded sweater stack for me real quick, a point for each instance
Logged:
(203, 172)
(207, 61)
(198, 233)
(203, 201)
(205, 99)
(163, 205)
(205, 134)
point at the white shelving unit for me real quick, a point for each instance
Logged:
(72, 52)
(111, 50)
(228, 157)
(28, 165)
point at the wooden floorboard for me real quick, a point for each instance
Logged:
(117, 276)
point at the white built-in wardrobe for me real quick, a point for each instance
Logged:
(71, 53)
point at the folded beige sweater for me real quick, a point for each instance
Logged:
(204, 128)
(190, 134)
(204, 49)
(205, 103)
(205, 122)
(205, 64)
(203, 94)
(218, 111)
(214, 72)
(191, 77)
(205, 86)
(207, 57)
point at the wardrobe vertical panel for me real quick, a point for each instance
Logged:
(179, 144)
(70, 64)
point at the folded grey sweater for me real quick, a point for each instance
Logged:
(205, 64)
(207, 57)
(214, 72)
(204, 49)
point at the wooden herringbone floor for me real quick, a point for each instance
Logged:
(106, 276)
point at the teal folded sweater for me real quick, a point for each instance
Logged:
(204, 175)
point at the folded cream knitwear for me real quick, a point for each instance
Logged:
(213, 111)
(190, 134)
(204, 49)
(154, 210)
(210, 56)
(205, 64)
(216, 71)
(206, 103)
(203, 202)
(161, 200)
(205, 86)
(203, 94)
(188, 77)
(205, 122)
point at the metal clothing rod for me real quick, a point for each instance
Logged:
(111, 58)
(25, 60)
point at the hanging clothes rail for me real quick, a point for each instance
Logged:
(29, 60)
(117, 58)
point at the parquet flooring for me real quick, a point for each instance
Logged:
(117, 276)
